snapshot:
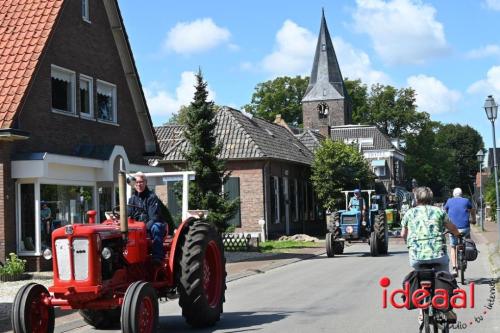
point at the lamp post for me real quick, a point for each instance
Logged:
(491, 109)
(480, 159)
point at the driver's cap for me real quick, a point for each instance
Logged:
(357, 190)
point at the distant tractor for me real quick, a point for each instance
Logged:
(107, 273)
(349, 226)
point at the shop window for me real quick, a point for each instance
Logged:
(63, 89)
(380, 171)
(106, 101)
(68, 203)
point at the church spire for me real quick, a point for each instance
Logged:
(326, 81)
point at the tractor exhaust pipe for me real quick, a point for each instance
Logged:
(123, 204)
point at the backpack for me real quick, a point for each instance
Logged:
(471, 251)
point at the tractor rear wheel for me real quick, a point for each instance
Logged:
(140, 308)
(102, 319)
(29, 313)
(374, 251)
(202, 275)
(382, 233)
(329, 242)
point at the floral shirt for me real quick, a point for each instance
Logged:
(425, 226)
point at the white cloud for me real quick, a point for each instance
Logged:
(162, 104)
(432, 95)
(197, 36)
(483, 52)
(493, 4)
(489, 85)
(294, 55)
(402, 31)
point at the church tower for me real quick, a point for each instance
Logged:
(325, 103)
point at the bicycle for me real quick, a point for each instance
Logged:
(432, 318)
(460, 258)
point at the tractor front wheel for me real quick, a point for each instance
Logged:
(202, 275)
(30, 314)
(329, 242)
(140, 308)
(102, 319)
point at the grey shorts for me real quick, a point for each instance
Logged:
(441, 263)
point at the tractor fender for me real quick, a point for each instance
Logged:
(179, 232)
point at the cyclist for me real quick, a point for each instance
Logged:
(423, 227)
(458, 210)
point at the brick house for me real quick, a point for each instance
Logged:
(269, 168)
(71, 107)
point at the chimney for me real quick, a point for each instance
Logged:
(278, 120)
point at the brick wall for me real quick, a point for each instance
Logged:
(7, 203)
(338, 114)
(89, 49)
(251, 193)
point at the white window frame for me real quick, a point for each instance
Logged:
(90, 81)
(86, 11)
(57, 71)
(277, 219)
(99, 84)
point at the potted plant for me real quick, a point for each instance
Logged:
(13, 269)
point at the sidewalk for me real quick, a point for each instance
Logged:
(489, 237)
(238, 265)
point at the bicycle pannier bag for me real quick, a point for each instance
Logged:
(470, 250)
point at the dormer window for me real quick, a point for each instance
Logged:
(85, 10)
(323, 110)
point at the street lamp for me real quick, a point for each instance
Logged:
(480, 159)
(491, 109)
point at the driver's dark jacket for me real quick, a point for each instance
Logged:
(144, 207)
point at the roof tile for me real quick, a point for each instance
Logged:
(22, 23)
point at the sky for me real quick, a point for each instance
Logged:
(447, 51)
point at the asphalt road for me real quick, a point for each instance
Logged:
(340, 294)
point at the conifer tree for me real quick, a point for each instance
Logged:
(202, 157)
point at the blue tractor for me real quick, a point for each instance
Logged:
(349, 226)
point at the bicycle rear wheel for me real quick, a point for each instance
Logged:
(461, 265)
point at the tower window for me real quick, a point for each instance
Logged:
(323, 47)
(323, 110)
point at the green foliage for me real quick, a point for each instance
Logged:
(282, 246)
(338, 166)
(206, 190)
(13, 266)
(392, 110)
(490, 195)
(282, 95)
(443, 156)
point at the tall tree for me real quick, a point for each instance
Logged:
(462, 142)
(338, 166)
(282, 95)
(392, 110)
(206, 189)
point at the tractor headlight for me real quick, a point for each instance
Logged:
(337, 224)
(363, 223)
(47, 254)
(106, 253)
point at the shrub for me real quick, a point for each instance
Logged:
(13, 266)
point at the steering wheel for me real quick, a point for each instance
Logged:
(116, 209)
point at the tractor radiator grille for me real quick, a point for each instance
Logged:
(348, 219)
(80, 253)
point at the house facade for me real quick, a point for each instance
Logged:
(72, 110)
(269, 168)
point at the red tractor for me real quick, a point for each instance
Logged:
(106, 272)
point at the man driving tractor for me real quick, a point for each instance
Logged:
(358, 203)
